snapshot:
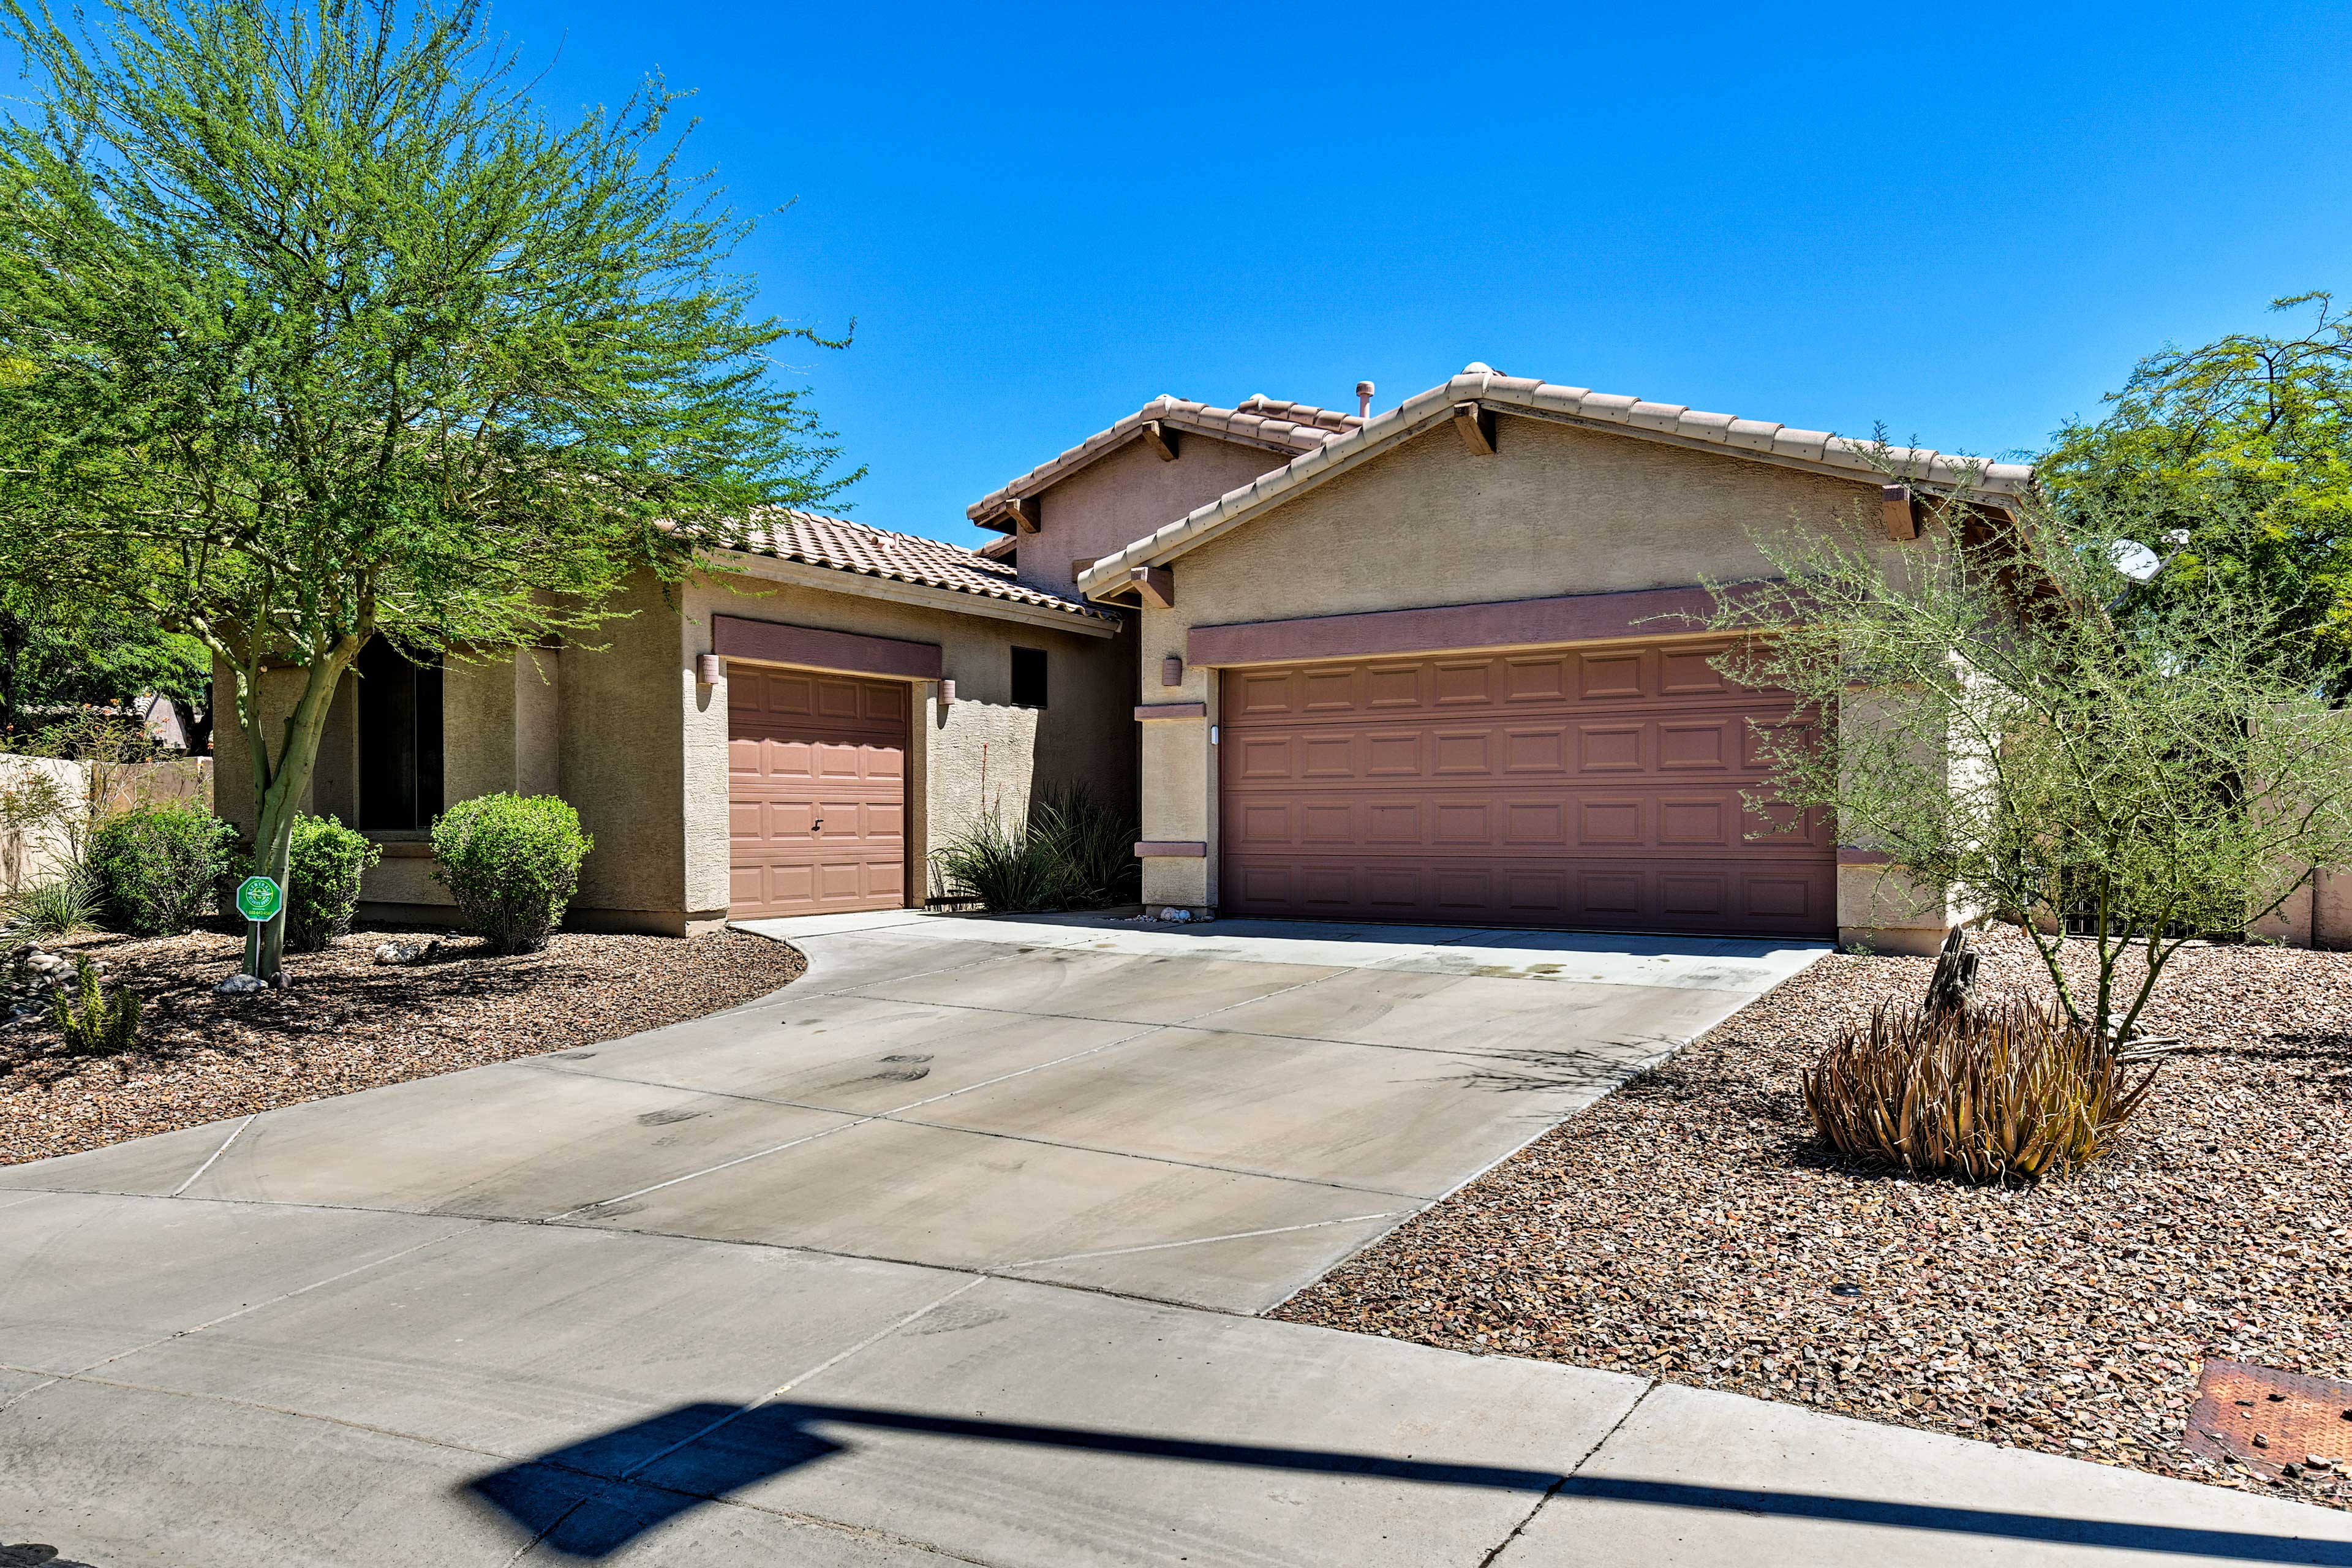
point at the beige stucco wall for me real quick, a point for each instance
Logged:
(233, 759)
(1118, 498)
(1556, 510)
(976, 754)
(2331, 909)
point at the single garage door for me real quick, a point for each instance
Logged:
(1599, 787)
(817, 792)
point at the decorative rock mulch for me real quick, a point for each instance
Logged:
(1689, 1227)
(347, 1023)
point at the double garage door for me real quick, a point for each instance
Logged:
(817, 792)
(1599, 786)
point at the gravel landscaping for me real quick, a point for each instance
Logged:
(347, 1023)
(1688, 1227)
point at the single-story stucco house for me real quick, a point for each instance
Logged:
(1415, 665)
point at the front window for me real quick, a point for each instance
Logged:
(1028, 677)
(400, 741)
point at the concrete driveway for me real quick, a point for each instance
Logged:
(948, 1253)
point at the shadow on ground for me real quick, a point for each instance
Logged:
(705, 1451)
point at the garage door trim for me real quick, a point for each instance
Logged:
(1447, 628)
(819, 648)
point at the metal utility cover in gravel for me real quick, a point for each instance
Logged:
(1689, 1227)
(2274, 1421)
(348, 1022)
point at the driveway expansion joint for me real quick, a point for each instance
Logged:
(233, 1134)
(1649, 1388)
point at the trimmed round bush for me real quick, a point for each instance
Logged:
(324, 863)
(157, 870)
(512, 862)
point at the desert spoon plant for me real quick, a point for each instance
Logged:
(2002, 1094)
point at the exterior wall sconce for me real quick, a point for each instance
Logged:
(1171, 671)
(946, 694)
(710, 670)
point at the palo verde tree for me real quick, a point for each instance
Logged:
(315, 330)
(2235, 459)
(2007, 712)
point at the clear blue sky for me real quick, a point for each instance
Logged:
(1965, 221)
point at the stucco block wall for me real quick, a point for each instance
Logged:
(38, 852)
(976, 754)
(1115, 500)
(1878, 907)
(2331, 909)
(1556, 510)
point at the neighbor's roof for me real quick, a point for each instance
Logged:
(846, 546)
(1260, 421)
(1668, 422)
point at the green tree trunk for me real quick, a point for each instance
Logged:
(281, 787)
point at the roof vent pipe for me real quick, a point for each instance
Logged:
(1363, 400)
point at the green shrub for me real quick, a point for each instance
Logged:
(60, 907)
(1073, 853)
(93, 1024)
(157, 870)
(323, 867)
(512, 862)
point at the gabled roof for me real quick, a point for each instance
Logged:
(853, 547)
(1285, 428)
(1671, 423)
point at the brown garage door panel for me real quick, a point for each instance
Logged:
(816, 788)
(1601, 787)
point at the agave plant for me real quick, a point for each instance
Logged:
(2005, 1093)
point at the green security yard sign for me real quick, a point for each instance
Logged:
(259, 899)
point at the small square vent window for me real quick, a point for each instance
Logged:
(1028, 677)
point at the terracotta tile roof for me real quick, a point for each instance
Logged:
(1816, 450)
(846, 546)
(1285, 428)
(1258, 402)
